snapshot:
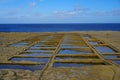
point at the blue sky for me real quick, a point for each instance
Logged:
(59, 11)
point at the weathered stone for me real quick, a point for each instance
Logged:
(10, 73)
(83, 73)
(3, 72)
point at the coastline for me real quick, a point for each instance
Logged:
(6, 51)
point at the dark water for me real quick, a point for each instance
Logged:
(59, 27)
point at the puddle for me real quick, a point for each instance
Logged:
(41, 51)
(67, 58)
(36, 54)
(104, 49)
(30, 59)
(24, 67)
(68, 51)
(93, 43)
(58, 64)
(20, 44)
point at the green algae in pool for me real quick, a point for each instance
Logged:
(23, 67)
(104, 49)
(30, 59)
(36, 54)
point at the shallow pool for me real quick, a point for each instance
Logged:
(20, 44)
(30, 59)
(73, 46)
(39, 51)
(73, 58)
(58, 64)
(110, 57)
(24, 67)
(117, 62)
(87, 37)
(36, 54)
(68, 51)
(104, 49)
(93, 43)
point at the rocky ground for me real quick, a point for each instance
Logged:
(19, 75)
(82, 73)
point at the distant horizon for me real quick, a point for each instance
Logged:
(59, 23)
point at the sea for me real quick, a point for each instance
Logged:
(60, 27)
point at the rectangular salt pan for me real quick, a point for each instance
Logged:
(58, 64)
(36, 54)
(104, 49)
(68, 51)
(20, 44)
(93, 43)
(110, 57)
(117, 62)
(33, 51)
(24, 67)
(74, 58)
(30, 59)
(34, 47)
(72, 46)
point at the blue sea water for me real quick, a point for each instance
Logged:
(59, 27)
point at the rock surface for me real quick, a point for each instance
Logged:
(19, 75)
(83, 73)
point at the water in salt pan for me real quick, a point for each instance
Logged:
(36, 54)
(20, 44)
(58, 64)
(23, 67)
(104, 49)
(68, 51)
(30, 59)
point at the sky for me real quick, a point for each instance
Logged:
(59, 11)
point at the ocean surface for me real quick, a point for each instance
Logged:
(59, 27)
